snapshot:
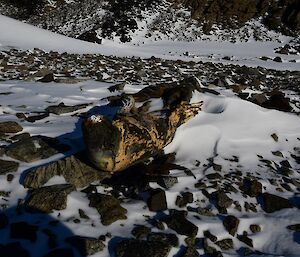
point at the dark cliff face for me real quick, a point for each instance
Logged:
(283, 15)
(120, 16)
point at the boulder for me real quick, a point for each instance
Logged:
(272, 203)
(62, 108)
(231, 224)
(157, 200)
(10, 127)
(8, 166)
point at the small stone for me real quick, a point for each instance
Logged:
(223, 201)
(108, 207)
(157, 200)
(252, 187)
(275, 137)
(217, 167)
(210, 236)
(10, 177)
(178, 222)
(225, 244)
(23, 230)
(274, 203)
(139, 248)
(255, 228)
(48, 198)
(231, 224)
(245, 239)
(167, 181)
(295, 227)
(8, 166)
(140, 232)
(214, 176)
(86, 245)
(62, 108)
(10, 127)
(277, 59)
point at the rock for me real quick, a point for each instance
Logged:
(46, 199)
(182, 201)
(24, 231)
(13, 249)
(108, 207)
(157, 200)
(62, 108)
(76, 170)
(10, 177)
(3, 220)
(245, 239)
(178, 222)
(211, 251)
(231, 224)
(62, 252)
(255, 228)
(277, 59)
(140, 232)
(214, 176)
(10, 127)
(167, 238)
(210, 236)
(90, 36)
(205, 211)
(225, 244)
(19, 137)
(252, 187)
(8, 166)
(47, 78)
(222, 200)
(190, 251)
(278, 101)
(167, 181)
(295, 227)
(86, 245)
(139, 248)
(82, 214)
(34, 149)
(272, 203)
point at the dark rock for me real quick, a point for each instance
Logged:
(23, 230)
(76, 170)
(62, 108)
(184, 199)
(47, 78)
(108, 207)
(86, 245)
(272, 203)
(217, 167)
(225, 244)
(210, 236)
(20, 137)
(222, 200)
(167, 238)
(178, 222)
(62, 252)
(10, 127)
(190, 251)
(211, 251)
(138, 248)
(275, 137)
(167, 181)
(157, 200)
(252, 187)
(8, 166)
(214, 176)
(255, 228)
(82, 214)
(295, 227)
(13, 250)
(245, 239)
(140, 232)
(231, 224)
(3, 220)
(205, 211)
(34, 149)
(117, 87)
(46, 199)
(90, 36)
(277, 59)
(10, 177)
(278, 101)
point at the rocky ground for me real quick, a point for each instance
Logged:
(214, 214)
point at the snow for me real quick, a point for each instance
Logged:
(24, 36)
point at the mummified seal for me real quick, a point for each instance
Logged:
(136, 134)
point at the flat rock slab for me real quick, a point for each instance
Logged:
(75, 169)
(10, 127)
(46, 199)
(139, 248)
(108, 207)
(62, 108)
(8, 166)
(35, 148)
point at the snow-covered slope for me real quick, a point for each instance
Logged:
(24, 36)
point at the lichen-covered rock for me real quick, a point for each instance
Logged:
(8, 166)
(46, 199)
(108, 207)
(35, 148)
(75, 169)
